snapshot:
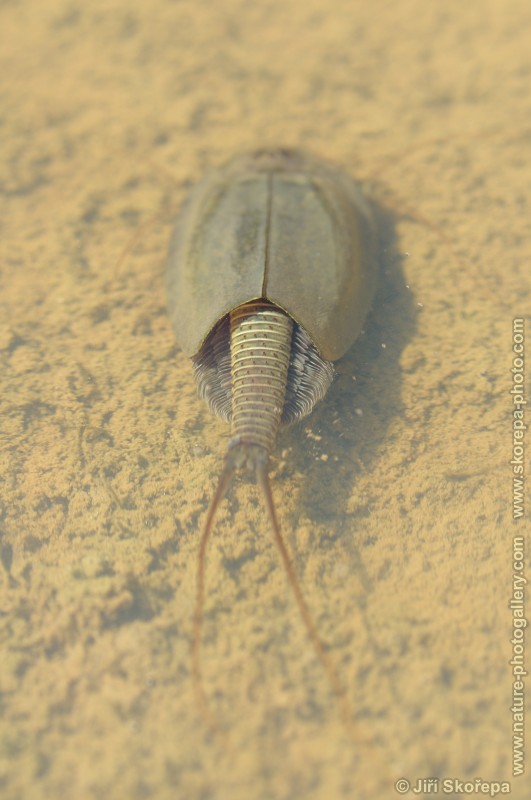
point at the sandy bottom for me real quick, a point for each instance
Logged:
(395, 496)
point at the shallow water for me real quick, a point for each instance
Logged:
(394, 497)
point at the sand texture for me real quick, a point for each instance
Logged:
(395, 496)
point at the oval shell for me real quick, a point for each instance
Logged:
(279, 225)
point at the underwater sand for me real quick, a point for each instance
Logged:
(395, 496)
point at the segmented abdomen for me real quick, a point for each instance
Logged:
(260, 345)
(306, 381)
